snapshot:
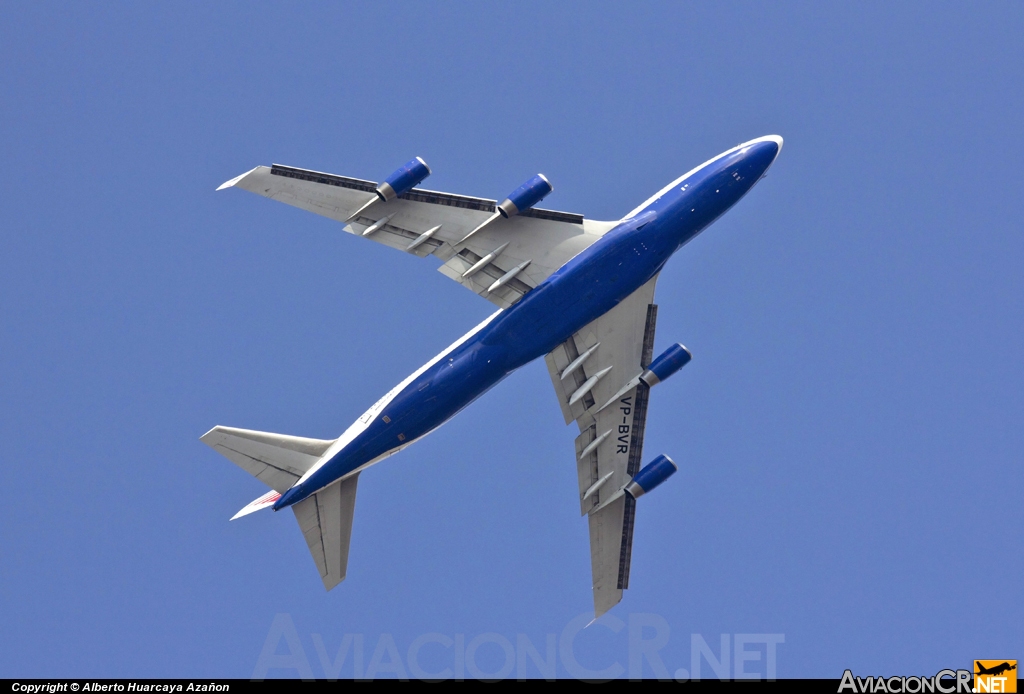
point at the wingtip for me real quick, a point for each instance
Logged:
(255, 505)
(235, 180)
(214, 430)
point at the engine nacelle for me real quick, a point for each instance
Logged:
(403, 180)
(667, 363)
(525, 196)
(656, 472)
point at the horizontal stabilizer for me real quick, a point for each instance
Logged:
(275, 459)
(326, 522)
(264, 501)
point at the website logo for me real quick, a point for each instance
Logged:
(995, 676)
(943, 682)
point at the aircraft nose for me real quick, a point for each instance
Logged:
(763, 151)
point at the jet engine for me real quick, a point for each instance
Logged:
(667, 363)
(522, 198)
(653, 474)
(403, 180)
(525, 196)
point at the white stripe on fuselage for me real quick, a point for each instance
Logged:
(361, 424)
(654, 198)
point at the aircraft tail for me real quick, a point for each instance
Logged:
(277, 460)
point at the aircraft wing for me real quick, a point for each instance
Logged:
(515, 254)
(592, 372)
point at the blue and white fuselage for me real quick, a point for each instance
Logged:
(583, 289)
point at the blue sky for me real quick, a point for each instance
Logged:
(849, 432)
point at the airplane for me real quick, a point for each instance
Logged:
(578, 292)
(996, 669)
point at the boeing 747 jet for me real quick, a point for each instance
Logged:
(577, 292)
